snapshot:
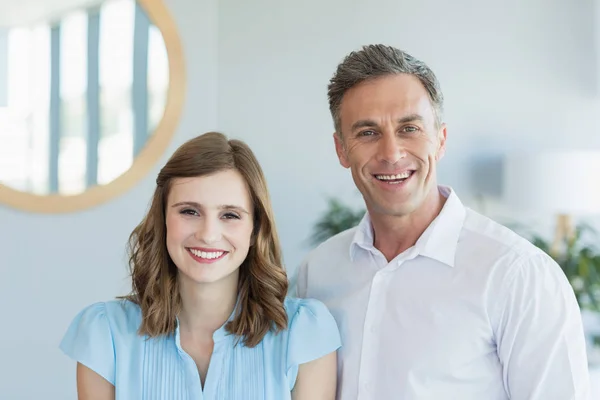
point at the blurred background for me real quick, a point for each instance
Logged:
(90, 91)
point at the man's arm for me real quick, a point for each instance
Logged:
(539, 334)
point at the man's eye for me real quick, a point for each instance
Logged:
(410, 129)
(366, 133)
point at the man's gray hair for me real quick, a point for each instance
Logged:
(374, 61)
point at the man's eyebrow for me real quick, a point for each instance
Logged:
(364, 123)
(369, 123)
(410, 118)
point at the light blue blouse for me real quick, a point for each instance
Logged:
(103, 337)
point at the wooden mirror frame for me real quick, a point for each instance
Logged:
(149, 154)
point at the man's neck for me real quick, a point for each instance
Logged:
(394, 235)
(206, 307)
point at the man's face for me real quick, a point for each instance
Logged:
(391, 143)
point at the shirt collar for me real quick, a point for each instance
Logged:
(218, 335)
(440, 239)
(363, 236)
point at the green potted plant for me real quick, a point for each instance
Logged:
(337, 218)
(580, 261)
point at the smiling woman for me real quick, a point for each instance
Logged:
(95, 88)
(208, 317)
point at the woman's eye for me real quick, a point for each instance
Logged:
(231, 216)
(188, 211)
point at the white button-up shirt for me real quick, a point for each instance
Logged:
(471, 312)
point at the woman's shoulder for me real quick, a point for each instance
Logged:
(98, 330)
(121, 317)
(307, 317)
(312, 333)
(295, 306)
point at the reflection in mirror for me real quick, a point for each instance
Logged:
(83, 92)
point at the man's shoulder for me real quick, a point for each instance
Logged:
(486, 232)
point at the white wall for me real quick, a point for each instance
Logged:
(51, 266)
(596, 14)
(3, 67)
(515, 74)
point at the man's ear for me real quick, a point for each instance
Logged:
(340, 149)
(441, 150)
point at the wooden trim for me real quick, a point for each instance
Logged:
(150, 154)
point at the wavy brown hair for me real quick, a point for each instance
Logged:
(263, 282)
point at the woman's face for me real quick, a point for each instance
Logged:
(209, 225)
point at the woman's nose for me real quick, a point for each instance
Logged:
(209, 231)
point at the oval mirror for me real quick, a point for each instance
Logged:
(90, 95)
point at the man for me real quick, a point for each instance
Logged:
(433, 300)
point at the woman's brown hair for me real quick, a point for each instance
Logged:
(263, 282)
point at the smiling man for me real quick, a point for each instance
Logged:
(433, 300)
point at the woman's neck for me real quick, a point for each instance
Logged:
(206, 307)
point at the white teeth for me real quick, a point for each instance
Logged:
(207, 255)
(403, 175)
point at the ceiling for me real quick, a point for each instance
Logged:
(20, 12)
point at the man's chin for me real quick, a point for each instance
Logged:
(392, 209)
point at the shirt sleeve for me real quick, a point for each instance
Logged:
(313, 333)
(540, 337)
(89, 341)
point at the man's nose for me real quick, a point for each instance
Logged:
(390, 149)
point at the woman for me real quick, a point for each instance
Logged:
(208, 317)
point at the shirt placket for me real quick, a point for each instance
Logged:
(368, 360)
